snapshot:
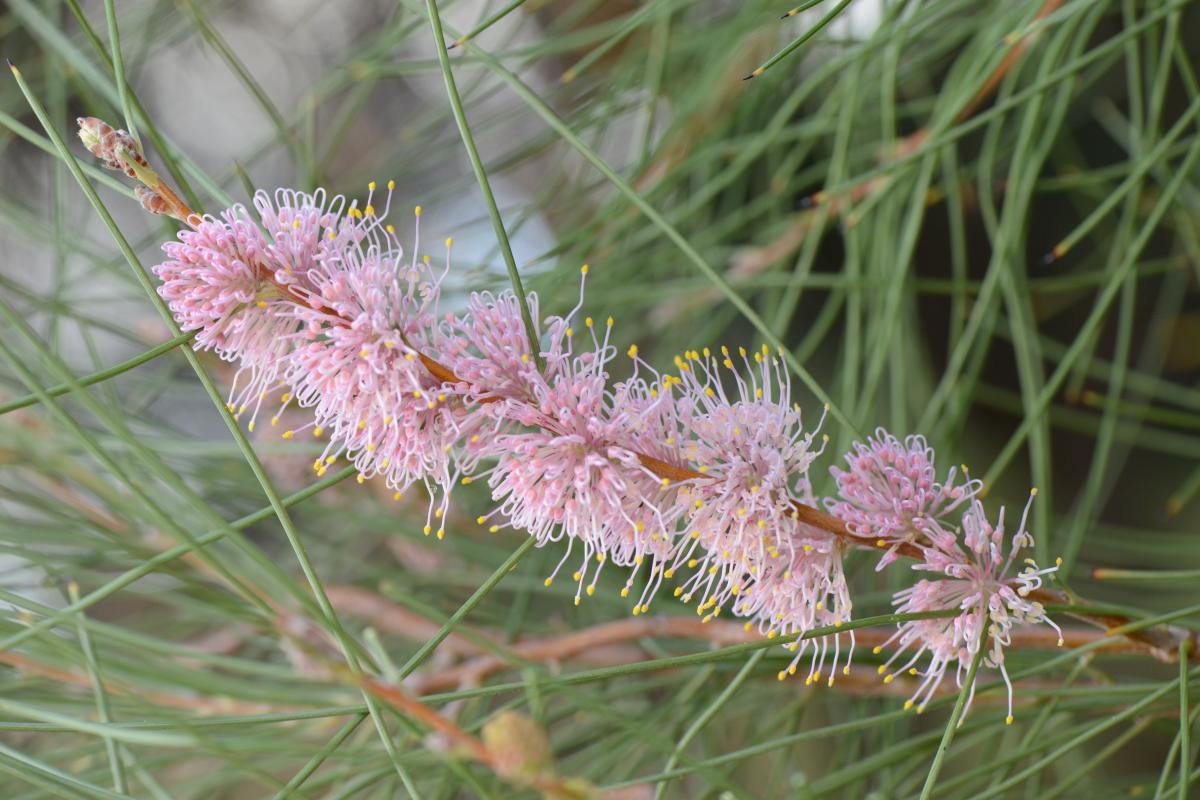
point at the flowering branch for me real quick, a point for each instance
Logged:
(703, 469)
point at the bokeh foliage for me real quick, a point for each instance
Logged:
(976, 221)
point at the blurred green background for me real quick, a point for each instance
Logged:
(975, 221)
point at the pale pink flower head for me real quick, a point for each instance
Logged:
(891, 497)
(974, 580)
(749, 443)
(367, 320)
(304, 229)
(568, 475)
(794, 596)
(216, 281)
(487, 347)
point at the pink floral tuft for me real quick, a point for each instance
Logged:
(215, 282)
(975, 580)
(568, 476)
(891, 497)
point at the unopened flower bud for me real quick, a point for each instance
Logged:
(116, 148)
(519, 747)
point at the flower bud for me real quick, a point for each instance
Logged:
(519, 746)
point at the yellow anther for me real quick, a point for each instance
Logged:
(610, 322)
(371, 186)
(577, 575)
(466, 481)
(584, 269)
(390, 228)
(591, 590)
(397, 495)
(391, 185)
(441, 534)
(1008, 720)
(665, 482)
(588, 322)
(417, 211)
(428, 530)
(625, 591)
(493, 528)
(288, 434)
(548, 581)
(449, 241)
(360, 478)
(369, 210)
(577, 599)
(632, 351)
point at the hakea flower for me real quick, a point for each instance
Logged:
(368, 320)
(570, 474)
(890, 495)
(754, 453)
(305, 229)
(487, 348)
(974, 578)
(699, 471)
(116, 148)
(216, 281)
(238, 288)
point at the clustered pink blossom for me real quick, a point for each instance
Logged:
(690, 476)
(974, 577)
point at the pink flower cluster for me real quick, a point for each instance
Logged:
(691, 476)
